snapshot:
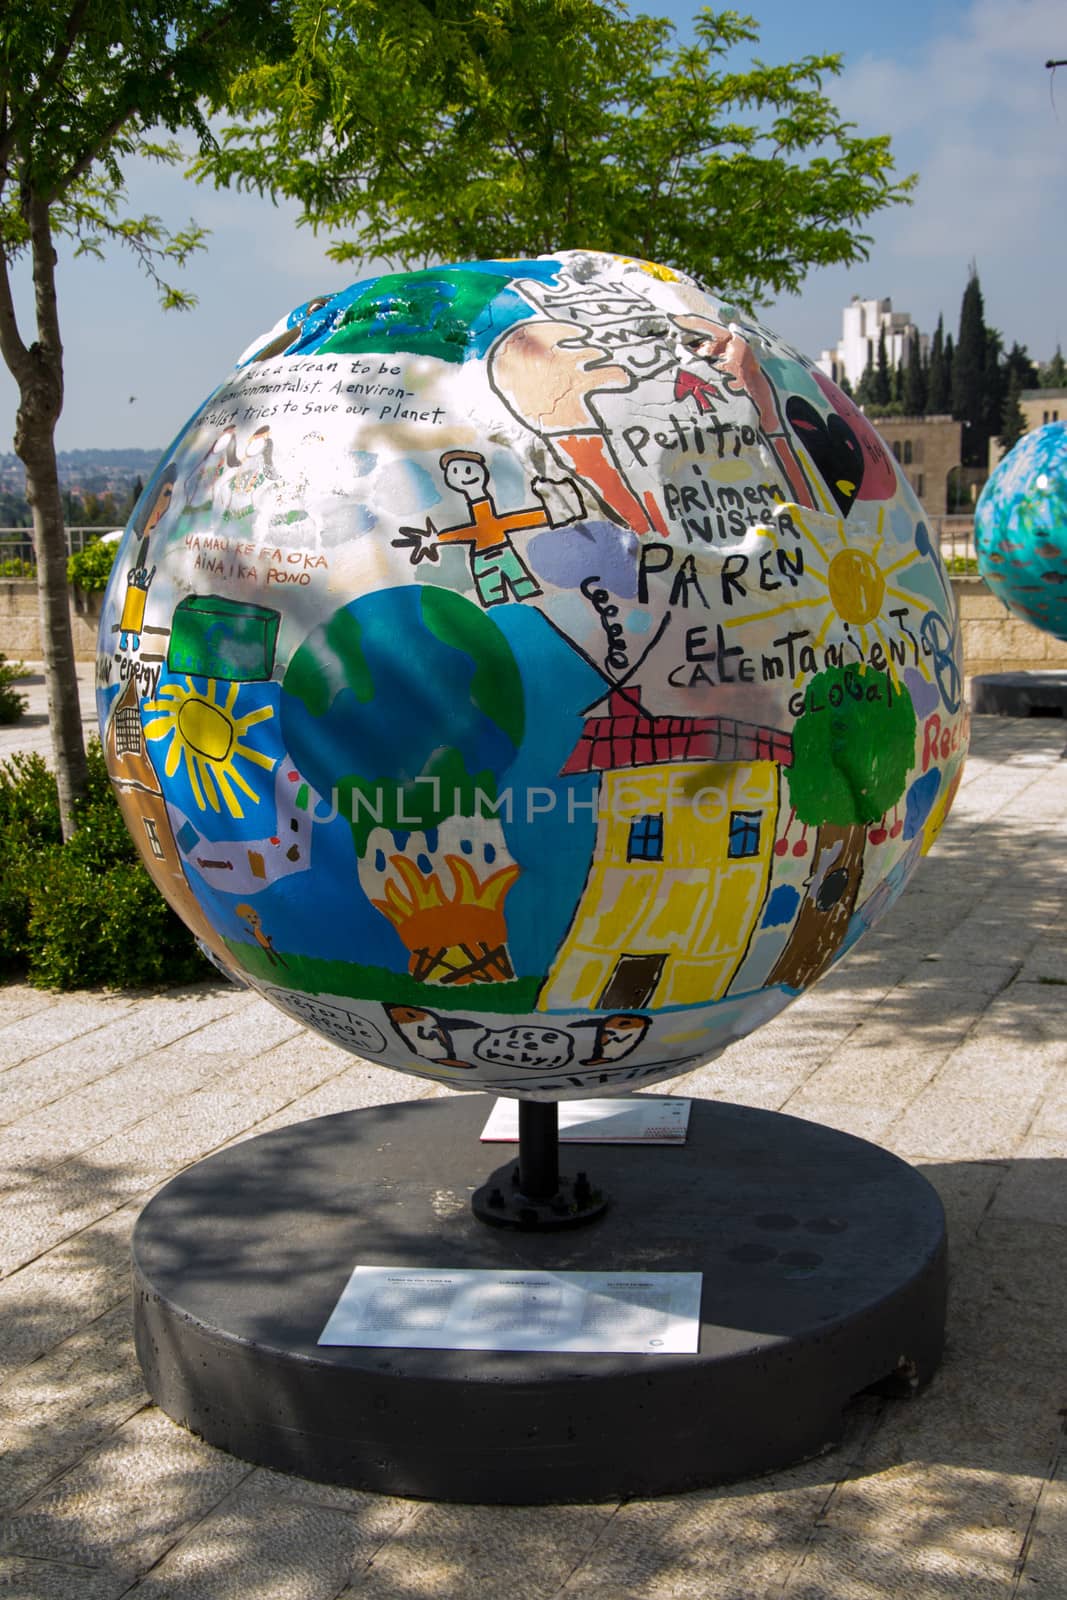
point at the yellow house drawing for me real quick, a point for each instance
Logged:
(687, 816)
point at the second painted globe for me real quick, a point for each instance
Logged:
(1020, 529)
(531, 674)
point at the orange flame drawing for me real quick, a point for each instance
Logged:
(456, 937)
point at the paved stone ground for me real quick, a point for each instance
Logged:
(31, 732)
(942, 1037)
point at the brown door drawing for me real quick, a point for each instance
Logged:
(632, 984)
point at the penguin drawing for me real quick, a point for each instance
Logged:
(616, 1037)
(427, 1035)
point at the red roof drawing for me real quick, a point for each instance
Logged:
(629, 737)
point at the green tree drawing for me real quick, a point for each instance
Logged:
(853, 746)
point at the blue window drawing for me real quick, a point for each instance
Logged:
(744, 833)
(646, 838)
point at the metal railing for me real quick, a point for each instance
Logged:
(954, 537)
(16, 548)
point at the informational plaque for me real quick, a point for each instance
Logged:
(631, 1119)
(421, 1308)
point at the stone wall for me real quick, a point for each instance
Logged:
(20, 627)
(994, 640)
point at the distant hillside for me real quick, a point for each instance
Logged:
(98, 486)
(76, 466)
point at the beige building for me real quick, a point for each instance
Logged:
(1043, 405)
(1038, 406)
(927, 450)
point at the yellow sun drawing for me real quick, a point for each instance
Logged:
(856, 587)
(850, 587)
(207, 735)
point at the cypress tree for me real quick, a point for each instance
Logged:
(914, 395)
(865, 387)
(882, 391)
(896, 384)
(995, 392)
(939, 379)
(1012, 421)
(1054, 372)
(970, 376)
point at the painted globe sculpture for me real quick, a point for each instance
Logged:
(1020, 529)
(532, 674)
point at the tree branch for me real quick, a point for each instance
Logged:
(166, 74)
(44, 278)
(96, 150)
(47, 80)
(16, 356)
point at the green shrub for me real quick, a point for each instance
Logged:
(90, 568)
(12, 704)
(14, 910)
(102, 837)
(29, 801)
(83, 913)
(16, 567)
(111, 927)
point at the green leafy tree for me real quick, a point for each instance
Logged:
(83, 89)
(99, 511)
(439, 131)
(1018, 364)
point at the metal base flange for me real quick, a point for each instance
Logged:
(501, 1202)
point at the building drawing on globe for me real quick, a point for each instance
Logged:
(545, 673)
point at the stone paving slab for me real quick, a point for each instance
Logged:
(942, 1037)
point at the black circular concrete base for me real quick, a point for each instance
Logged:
(1019, 694)
(823, 1261)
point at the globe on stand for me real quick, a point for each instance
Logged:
(532, 675)
(1020, 529)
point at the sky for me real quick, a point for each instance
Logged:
(960, 86)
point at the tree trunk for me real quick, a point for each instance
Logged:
(38, 371)
(826, 910)
(35, 445)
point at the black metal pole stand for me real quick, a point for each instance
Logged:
(530, 1193)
